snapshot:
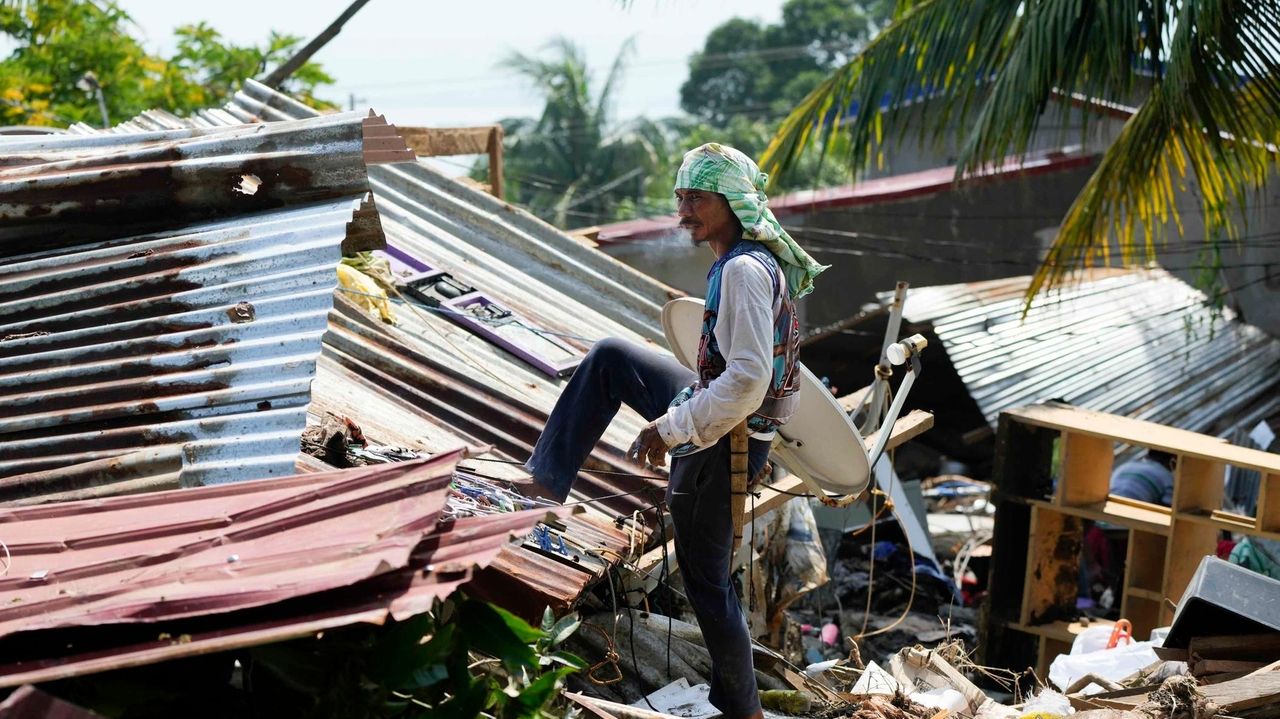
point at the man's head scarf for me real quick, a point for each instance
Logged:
(719, 168)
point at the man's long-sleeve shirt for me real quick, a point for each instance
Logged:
(749, 302)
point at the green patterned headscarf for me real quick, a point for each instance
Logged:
(719, 168)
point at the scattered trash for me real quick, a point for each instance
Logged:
(1047, 703)
(681, 700)
(875, 682)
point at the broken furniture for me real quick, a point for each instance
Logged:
(1039, 522)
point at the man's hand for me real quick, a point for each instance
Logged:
(649, 447)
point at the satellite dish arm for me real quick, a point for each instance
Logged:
(907, 350)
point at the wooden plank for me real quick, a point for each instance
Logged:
(1148, 518)
(1237, 646)
(1145, 434)
(1198, 484)
(1052, 579)
(1218, 666)
(443, 142)
(1048, 651)
(1060, 630)
(1269, 503)
(1255, 690)
(850, 402)
(1229, 522)
(1086, 469)
(1189, 542)
(1142, 612)
(1144, 564)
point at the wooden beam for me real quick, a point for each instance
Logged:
(774, 495)
(1125, 430)
(446, 141)
(496, 183)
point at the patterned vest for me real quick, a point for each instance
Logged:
(782, 396)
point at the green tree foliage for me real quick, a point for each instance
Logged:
(574, 165)
(57, 41)
(996, 67)
(747, 68)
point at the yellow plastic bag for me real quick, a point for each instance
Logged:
(364, 291)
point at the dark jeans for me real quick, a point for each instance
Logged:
(698, 494)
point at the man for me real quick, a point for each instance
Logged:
(746, 372)
(1148, 479)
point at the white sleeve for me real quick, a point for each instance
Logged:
(744, 332)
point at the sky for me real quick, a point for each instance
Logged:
(425, 62)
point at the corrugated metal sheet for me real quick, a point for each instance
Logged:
(564, 287)
(215, 565)
(1140, 344)
(430, 385)
(196, 341)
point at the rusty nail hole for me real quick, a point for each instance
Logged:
(241, 313)
(264, 405)
(143, 253)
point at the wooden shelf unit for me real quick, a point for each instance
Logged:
(1040, 519)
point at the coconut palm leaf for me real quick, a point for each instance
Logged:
(995, 67)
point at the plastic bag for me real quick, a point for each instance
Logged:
(1113, 664)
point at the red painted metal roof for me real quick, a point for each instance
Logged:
(869, 192)
(310, 552)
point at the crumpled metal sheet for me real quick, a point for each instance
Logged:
(168, 555)
(428, 384)
(1139, 344)
(198, 336)
(70, 190)
(303, 562)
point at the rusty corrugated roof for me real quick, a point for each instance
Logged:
(184, 354)
(216, 568)
(430, 385)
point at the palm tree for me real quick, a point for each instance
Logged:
(994, 66)
(572, 166)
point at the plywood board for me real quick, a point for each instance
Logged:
(1189, 542)
(1053, 565)
(1145, 434)
(1269, 503)
(1198, 484)
(1086, 469)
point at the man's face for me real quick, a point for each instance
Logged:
(706, 215)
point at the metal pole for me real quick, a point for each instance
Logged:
(290, 66)
(102, 105)
(883, 369)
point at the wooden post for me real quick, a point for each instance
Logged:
(738, 480)
(495, 161)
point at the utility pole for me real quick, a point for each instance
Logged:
(352, 100)
(89, 83)
(290, 66)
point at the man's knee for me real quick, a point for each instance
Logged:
(608, 351)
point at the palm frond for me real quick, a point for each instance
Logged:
(990, 70)
(1200, 116)
(604, 101)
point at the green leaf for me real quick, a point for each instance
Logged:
(533, 698)
(564, 628)
(548, 619)
(499, 633)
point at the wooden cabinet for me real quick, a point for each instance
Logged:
(1052, 474)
